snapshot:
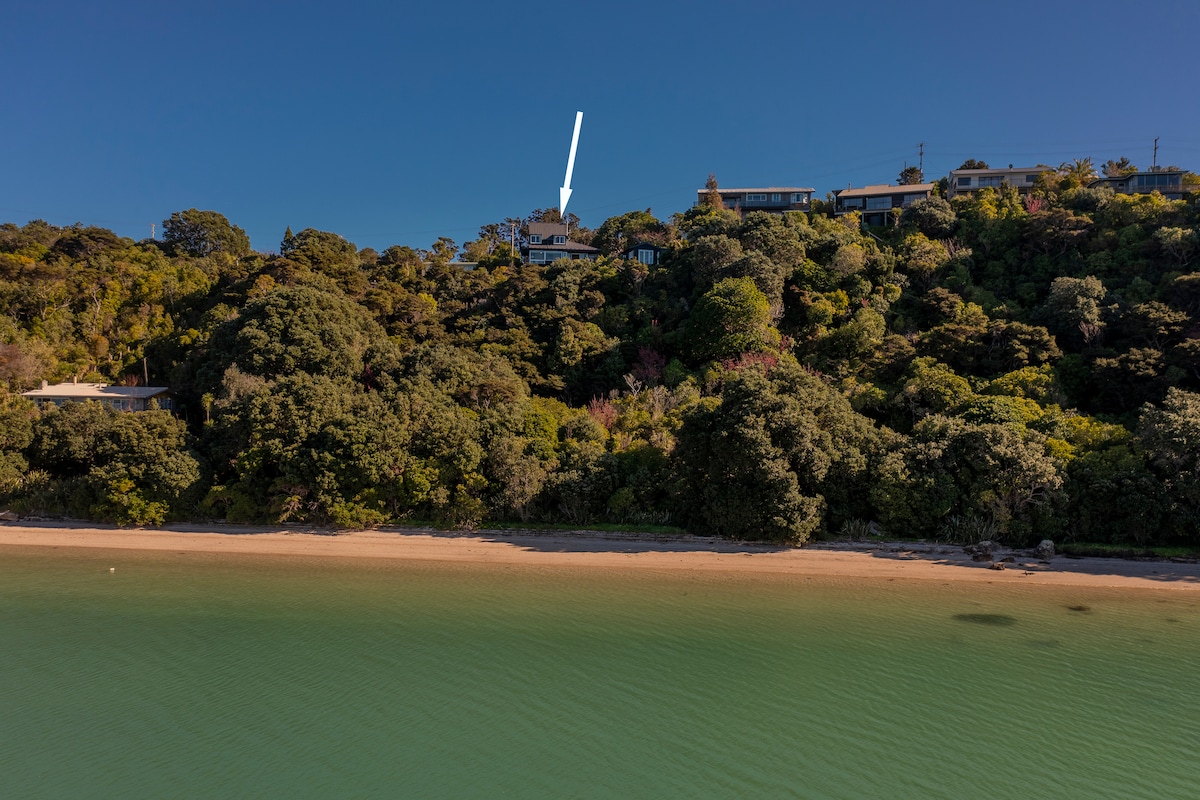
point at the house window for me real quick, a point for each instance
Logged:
(964, 181)
(879, 203)
(799, 197)
(1030, 178)
(909, 199)
(756, 198)
(535, 238)
(560, 240)
(993, 181)
(776, 198)
(645, 256)
(852, 202)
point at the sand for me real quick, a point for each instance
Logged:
(586, 549)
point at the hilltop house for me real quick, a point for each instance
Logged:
(967, 181)
(121, 398)
(1168, 183)
(878, 203)
(772, 199)
(548, 242)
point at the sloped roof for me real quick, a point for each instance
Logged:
(545, 229)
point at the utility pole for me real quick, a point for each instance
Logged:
(921, 157)
(1154, 166)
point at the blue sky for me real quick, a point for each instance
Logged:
(397, 122)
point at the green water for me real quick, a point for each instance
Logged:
(192, 676)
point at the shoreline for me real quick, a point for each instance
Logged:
(593, 549)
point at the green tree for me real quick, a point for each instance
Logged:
(733, 317)
(201, 233)
(767, 460)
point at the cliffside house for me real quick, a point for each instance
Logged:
(548, 242)
(1168, 183)
(121, 398)
(878, 203)
(644, 252)
(967, 181)
(772, 199)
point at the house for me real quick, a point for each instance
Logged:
(548, 242)
(121, 398)
(967, 181)
(878, 203)
(1168, 183)
(644, 252)
(772, 199)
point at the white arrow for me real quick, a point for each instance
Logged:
(564, 193)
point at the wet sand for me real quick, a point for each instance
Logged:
(585, 549)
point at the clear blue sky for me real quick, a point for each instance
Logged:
(397, 122)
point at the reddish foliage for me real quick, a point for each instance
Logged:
(649, 365)
(745, 360)
(602, 411)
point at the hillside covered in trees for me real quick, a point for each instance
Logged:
(997, 366)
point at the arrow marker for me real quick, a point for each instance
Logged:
(564, 193)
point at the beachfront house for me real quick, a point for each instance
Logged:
(121, 398)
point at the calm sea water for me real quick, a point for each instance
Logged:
(192, 676)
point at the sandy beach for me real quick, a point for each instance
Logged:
(613, 551)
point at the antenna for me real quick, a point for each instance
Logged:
(921, 157)
(1154, 168)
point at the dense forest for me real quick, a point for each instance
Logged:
(999, 366)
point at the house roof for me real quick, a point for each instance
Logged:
(96, 391)
(569, 247)
(643, 246)
(885, 188)
(765, 189)
(545, 229)
(995, 170)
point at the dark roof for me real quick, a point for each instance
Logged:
(885, 189)
(762, 190)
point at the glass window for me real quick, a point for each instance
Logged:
(993, 180)
(852, 202)
(775, 198)
(964, 180)
(879, 203)
(560, 240)
(756, 198)
(909, 199)
(645, 256)
(1030, 178)
(535, 238)
(799, 197)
